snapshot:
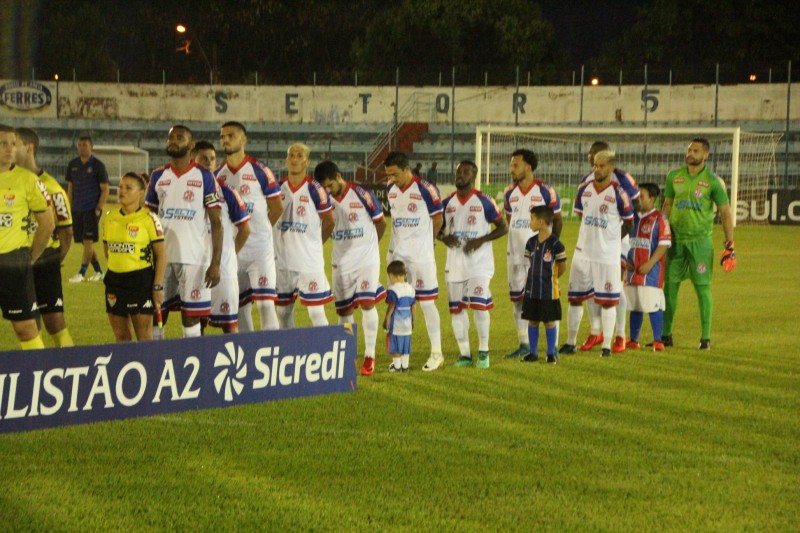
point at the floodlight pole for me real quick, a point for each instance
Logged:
(181, 28)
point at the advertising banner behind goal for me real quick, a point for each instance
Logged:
(61, 386)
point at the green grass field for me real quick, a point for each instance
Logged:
(682, 440)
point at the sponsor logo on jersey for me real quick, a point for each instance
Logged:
(188, 196)
(301, 210)
(596, 222)
(352, 217)
(121, 247)
(304, 199)
(133, 231)
(248, 177)
(513, 199)
(536, 199)
(679, 180)
(412, 208)
(244, 189)
(698, 193)
(405, 222)
(587, 194)
(646, 227)
(472, 220)
(194, 183)
(415, 196)
(392, 195)
(609, 199)
(702, 183)
(6, 220)
(354, 205)
(163, 183)
(9, 199)
(604, 209)
(348, 234)
(475, 209)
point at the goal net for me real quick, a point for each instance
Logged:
(744, 160)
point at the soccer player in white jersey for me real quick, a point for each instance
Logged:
(468, 234)
(306, 223)
(187, 199)
(628, 184)
(416, 209)
(261, 193)
(606, 215)
(519, 198)
(356, 258)
(235, 231)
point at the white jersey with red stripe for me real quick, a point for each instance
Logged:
(254, 182)
(412, 229)
(181, 200)
(518, 203)
(234, 212)
(355, 241)
(469, 218)
(603, 210)
(298, 237)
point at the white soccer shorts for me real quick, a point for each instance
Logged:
(644, 299)
(186, 286)
(600, 281)
(357, 287)
(472, 293)
(313, 288)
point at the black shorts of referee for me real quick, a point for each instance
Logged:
(130, 293)
(47, 280)
(17, 292)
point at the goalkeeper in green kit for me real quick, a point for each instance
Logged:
(691, 193)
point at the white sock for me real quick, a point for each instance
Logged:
(574, 316)
(285, 315)
(191, 331)
(520, 323)
(405, 360)
(608, 315)
(158, 333)
(433, 323)
(482, 322)
(317, 315)
(622, 308)
(246, 318)
(346, 319)
(595, 322)
(369, 323)
(460, 322)
(269, 318)
(397, 362)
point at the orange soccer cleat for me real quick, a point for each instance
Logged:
(368, 368)
(619, 345)
(591, 342)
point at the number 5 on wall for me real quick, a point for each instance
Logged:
(650, 99)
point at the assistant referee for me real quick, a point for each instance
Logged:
(24, 197)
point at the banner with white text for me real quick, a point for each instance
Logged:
(61, 386)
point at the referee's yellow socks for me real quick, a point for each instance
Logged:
(63, 339)
(33, 344)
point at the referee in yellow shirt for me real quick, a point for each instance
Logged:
(24, 199)
(134, 245)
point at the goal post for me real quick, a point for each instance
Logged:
(744, 160)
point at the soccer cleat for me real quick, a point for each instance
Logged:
(77, 278)
(605, 353)
(523, 350)
(97, 276)
(619, 345)
(394, 369)
(433, 362)
(552, 358)
(658, 346)
(483, 360)
(530, 358)
(568, 349)
(591, 342)
(705, 344)
(666, 340)
(463, 362)
(633, 345)
(368, 368)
